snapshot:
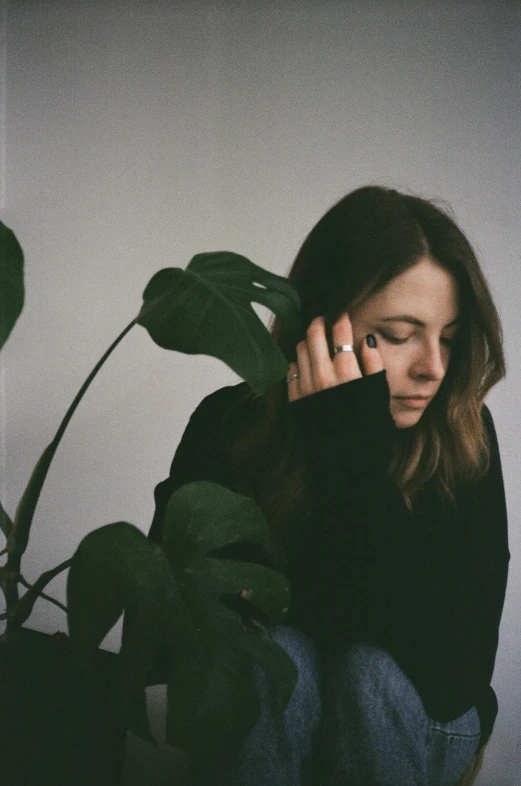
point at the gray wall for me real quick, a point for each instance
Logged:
(135, 134)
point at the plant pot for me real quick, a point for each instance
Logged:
(58, 726)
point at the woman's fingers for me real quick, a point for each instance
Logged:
(293, 382)
(314, 368)
(305, 379)
(323, 373)
(370, 357)
(344, 359)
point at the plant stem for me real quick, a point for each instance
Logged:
(81, 392)
(19, 536)
(42, 595)
(10, 587)
(6, 525)
(17, 616)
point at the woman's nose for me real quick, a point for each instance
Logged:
(431, 362)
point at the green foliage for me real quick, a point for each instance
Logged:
(19, 533)
(11, 282)
(212, 699)
(201, 517)
(6, 525)
(114, 568)
(180, 600)
(206, 309)
(203, 614)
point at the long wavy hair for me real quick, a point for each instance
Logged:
(364, 241)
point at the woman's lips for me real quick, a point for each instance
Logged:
(413, 402)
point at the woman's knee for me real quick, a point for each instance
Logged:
(369, 675)
(301, 649)
(305, 701)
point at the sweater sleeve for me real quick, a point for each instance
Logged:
(340, 556)
(426, 585)
(347, 433)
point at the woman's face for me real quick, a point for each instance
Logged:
(414, 319)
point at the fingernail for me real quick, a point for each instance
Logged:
(371, 341)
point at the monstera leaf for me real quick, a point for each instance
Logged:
(114, 568)
(11, 282)
(205, 614)
(206, 309)
(216, 691)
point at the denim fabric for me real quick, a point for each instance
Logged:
(277, 751)
(373, 729)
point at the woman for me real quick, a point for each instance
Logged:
(376, 464)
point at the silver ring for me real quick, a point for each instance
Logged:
(292, 377)
(343, 348)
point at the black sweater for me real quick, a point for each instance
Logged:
(427, 586)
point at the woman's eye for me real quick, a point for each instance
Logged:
(393, 339)
(447, 341)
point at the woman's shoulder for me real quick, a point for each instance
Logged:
(221, 401)
(490, 429)
(484, 499)
(487, 418)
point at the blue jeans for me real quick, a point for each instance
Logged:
(353, 720)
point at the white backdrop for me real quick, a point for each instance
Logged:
(134, 134)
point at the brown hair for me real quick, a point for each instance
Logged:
(364, 241)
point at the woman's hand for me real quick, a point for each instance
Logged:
(314, 369)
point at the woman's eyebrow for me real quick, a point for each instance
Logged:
(413, 321)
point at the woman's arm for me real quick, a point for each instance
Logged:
(426, 585)
(354, 526)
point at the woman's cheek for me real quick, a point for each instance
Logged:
(394, 370)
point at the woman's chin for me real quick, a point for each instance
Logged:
(406, 419)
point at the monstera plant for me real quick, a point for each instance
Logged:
(176, 590)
